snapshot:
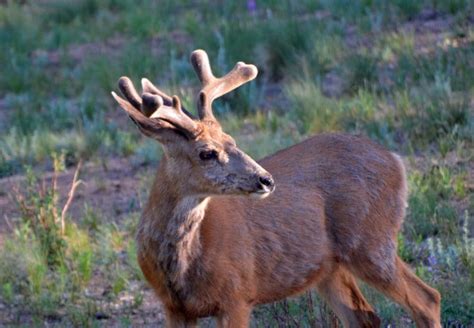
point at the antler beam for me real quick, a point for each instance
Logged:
(150, 109)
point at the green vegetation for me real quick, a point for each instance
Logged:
(51, 268)
(401, 72)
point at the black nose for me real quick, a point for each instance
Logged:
(266, 181)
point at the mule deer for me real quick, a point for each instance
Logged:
(336, 207)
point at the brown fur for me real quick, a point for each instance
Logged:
(208, 248)
(339, 211)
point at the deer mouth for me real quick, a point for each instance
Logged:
(256, 194)
(260, 194)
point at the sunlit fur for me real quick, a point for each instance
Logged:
(233, 173)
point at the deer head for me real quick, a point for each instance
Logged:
(199, 155)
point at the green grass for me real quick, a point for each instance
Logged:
(366, 67)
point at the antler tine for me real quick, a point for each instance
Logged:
(129, 92)
(216, 87)
(149, 87)
(151, 103)
(200, 62)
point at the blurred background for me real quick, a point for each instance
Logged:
(74, 171)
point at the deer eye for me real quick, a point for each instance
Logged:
(207, 155)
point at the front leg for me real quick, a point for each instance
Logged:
(236, 316)
(178, 320)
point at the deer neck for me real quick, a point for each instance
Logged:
(171, 223)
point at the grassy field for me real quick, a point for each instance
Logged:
(400, 72)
